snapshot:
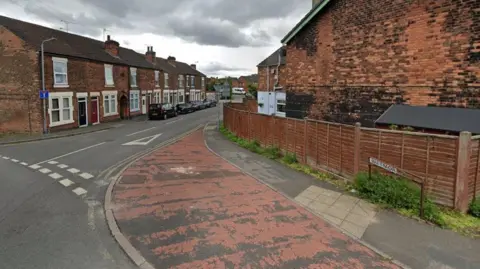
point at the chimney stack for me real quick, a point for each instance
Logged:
(111, 46)
(315, 3)
(171, 60)
(194, 66)
(150, 55)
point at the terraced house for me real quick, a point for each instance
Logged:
(88, 81)
(348, 61)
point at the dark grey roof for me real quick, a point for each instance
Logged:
(435, 118)
(273, 58)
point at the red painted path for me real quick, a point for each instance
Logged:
(184, 207)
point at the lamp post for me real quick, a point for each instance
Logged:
(43, 85)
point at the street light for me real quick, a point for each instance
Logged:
(43, 85)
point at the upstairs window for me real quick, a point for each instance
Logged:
(109, 75)
(166, 80)
(157, 78)
(203, 82)
(133, 77)
(192, 81)
(180, 81)
(60, 76)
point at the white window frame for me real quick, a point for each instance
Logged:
(166, 80)
(192, 81)
(133, 76)
(157, 78)
(181, 94)
(110, 95)
(63, 61)
(109, 70)
(181, 84)
(203, 82)
(134, 100)
(157, 96)
(187, 84)
(166, 97)
(60, 96)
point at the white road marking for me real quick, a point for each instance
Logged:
(52, 162)
(170, 122)
(73, 152)
(63, 166)
(142, 141)
(35, 166)
(6, 158)
(79, 191)
(55, 176)
(73, 170)
(66, 182)
(14, 160)
(86, 175)
(45, 170)
(24, 163)
(141, 131)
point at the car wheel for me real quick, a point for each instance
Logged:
(165, 116)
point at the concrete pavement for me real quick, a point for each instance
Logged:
(184, 207)
(52, 193)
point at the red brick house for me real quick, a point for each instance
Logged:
(271, 71)
(89, 81)
(348, 61)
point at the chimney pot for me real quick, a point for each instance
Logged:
(194, 66)
(108, 37)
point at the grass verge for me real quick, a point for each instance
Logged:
(385, 191)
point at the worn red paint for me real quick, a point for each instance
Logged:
(184, 207)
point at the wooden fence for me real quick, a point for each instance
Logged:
(450, 164)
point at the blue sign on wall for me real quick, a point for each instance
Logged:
(43, 94)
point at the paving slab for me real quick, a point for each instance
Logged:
(184, 207)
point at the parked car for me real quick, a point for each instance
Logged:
(161, 111)
(185, 108)
(211, 103)
(195, 105)
(199, 105)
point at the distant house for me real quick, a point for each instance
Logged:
(222, 90)
(271, 71)
(437, 120)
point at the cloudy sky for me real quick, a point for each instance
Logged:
(224, 37)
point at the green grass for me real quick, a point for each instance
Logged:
(385, 191)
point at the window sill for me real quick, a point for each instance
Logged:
(59, 123)
(135, 110)
(61, 86)
(110, 114)
(109, 86)
(134, 86)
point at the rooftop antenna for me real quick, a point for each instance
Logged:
(66, 24)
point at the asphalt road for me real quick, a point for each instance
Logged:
(52, 193)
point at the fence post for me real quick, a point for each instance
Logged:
(248, 125)
(463, 162)
(356, 148)
(305, 141)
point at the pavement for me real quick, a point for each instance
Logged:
(52, 192)
(183, 206)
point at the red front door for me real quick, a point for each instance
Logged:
(94, 110)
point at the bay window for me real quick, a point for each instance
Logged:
(60, 108)
(134, 100)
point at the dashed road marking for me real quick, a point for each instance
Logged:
(73, 170)
(63, 166)
(14, 160)
(79, 191)
(6, 158)
(45, 170)
(35, 166)
(24, 163)
(86, 175)
(66, 182)
(52, 162)
(55, 176)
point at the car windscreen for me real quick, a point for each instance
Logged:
(155, 106)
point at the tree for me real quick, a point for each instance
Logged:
(252, 89)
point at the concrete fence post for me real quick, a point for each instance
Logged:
(356, 148)
(463, 162)
(248, 124)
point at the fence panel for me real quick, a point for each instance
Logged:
(474, 170)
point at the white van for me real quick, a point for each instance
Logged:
(238, 91)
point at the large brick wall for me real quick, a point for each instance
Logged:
(358, 57)
(19, 84)
(263, 78)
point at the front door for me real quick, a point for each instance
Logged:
(144, 104)
(95, 116)
(82, 112)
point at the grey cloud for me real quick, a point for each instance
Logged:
(228, 23)
(214, 68)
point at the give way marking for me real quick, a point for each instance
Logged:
(142, 141)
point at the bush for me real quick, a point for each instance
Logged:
(272, 153)
(290, 158)
(395, 193)
(474, 209)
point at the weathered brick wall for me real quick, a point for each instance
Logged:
(345, 149)
(358, 57)
(20, 110)
(263, 84)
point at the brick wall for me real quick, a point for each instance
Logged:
(263, 84)
(20, 109)
(358, 57)
(345, 150)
